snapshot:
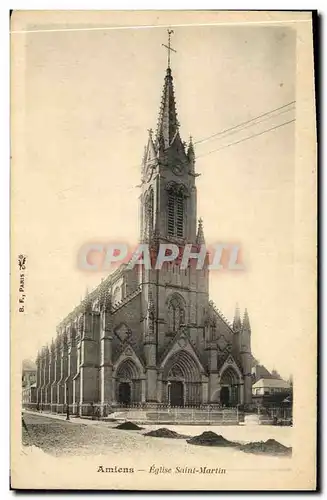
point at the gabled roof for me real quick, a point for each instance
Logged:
(184, 342)
(271, 383)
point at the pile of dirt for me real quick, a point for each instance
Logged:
(210, 438)
(128, 426)
(166, 433)
(270, 447)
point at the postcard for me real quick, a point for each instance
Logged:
(163, 251)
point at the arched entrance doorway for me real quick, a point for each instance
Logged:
(176, 396)
(124, 393)
(230, 387)
(128, 383)
(224, 396)
(182, 380)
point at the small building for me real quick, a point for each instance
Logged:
(28, 373)
(267, 386)
(29, 394)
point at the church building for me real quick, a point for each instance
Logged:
(149, 336)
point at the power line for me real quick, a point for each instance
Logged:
(246, 138)
(243, 140)
(249, 125)
(239, 128)
(244, 123)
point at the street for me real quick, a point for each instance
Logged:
(81, 450)
(59, 437)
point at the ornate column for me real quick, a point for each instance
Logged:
(150, 352)
(241, 394)
(57, 371)
(214, 385)
(63, 371)
(106, 382)
(246, 358)
(38, 378)
(42, 389)
(159, 387)
(72, 364)
(52, 365)
(46, 376)
(89, 361)
(205, 394)
(77, 377)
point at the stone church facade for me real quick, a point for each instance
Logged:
(148, 336)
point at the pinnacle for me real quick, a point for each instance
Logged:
(200, 235)
(246, 322)
(237, 325)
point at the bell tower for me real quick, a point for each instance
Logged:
(168, 209)
(168, 199)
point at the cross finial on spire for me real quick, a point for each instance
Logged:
(168, 47)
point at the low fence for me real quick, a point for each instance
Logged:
(279, 414)
(230, 416)
(153, 413)
(161, 413)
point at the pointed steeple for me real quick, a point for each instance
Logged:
(190, 150)
(237, 325)
(200, 234)
(151, 152)
(246, 322)
(167, 123)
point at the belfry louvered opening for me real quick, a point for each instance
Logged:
(176, 214)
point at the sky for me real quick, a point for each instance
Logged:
(89, 99)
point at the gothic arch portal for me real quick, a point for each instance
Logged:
(127, 383)
(182, 380)
(230, 386)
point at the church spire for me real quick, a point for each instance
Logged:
(200, 235)
(167, 123)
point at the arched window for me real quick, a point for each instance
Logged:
(117, 295)
(176, 211)
(176, 313)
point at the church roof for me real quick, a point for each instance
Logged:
(93, 295)
(222, 321)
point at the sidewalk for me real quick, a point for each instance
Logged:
(73, 419)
